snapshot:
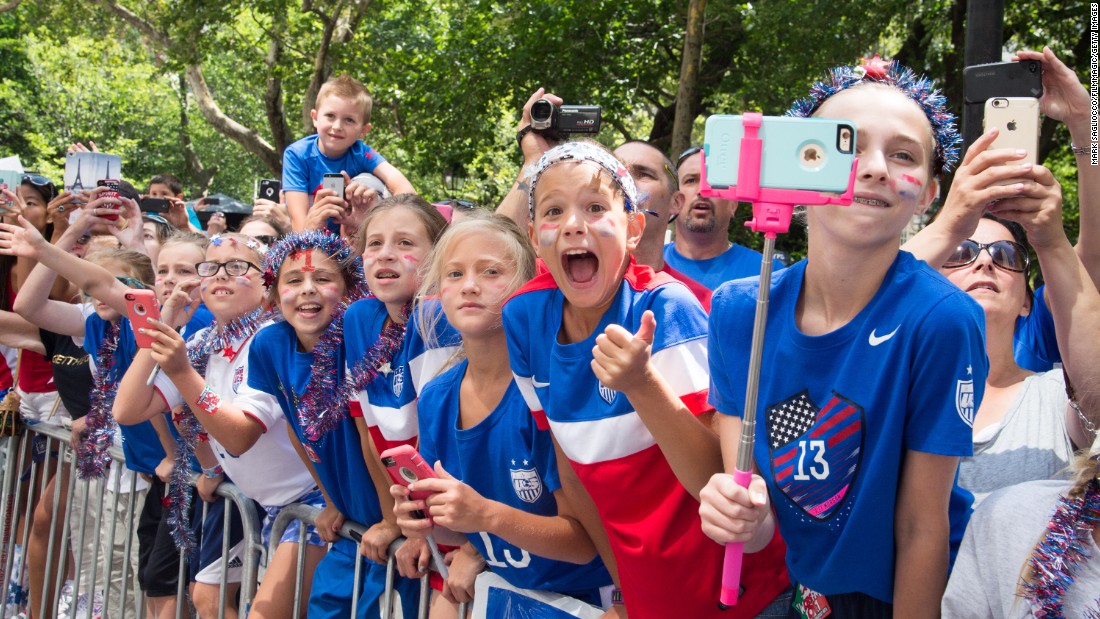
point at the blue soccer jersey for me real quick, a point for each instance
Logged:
(140, 443)
(651, 520)
(304, 166)
(1035, 343)
(388, 403)
(734, 263)
(278, 368)
(837, 412)
(506, 459)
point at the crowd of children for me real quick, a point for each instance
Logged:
(580, 401)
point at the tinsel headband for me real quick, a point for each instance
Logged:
(583, 151)
(249, 242)
(327, 243)
(919, 88)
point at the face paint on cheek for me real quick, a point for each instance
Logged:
(548, 233)
(604, 227)
(287, 296)
(411, 262)
(244, 282)
(907, 187)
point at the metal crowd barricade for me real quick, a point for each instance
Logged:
(353, 531)
(17, 505)
(17, 508)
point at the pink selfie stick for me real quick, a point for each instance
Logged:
(771, 214)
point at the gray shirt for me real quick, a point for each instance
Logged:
(1030, 442)
(999, 540)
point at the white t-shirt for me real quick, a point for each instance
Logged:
(270, 473)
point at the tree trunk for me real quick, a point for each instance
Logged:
(689, 77)
(273, 93)
(320, 74)
(201, 175)
(8, 6)
(249, 139)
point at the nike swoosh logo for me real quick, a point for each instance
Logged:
(875, 340)
(539, 385)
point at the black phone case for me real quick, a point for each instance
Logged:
(1003, 79)
(269, 189)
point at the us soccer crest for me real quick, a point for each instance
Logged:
(964, 400)
(527, 484)
(815, 451)
(238, 378)
(398, 379)
(607, 393)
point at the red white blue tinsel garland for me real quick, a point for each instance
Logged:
(191, 433)
(1058, 557)
(99, 432)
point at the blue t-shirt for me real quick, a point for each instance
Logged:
(1035, 344)
(506, 459)
(277, 367)
(734, 263)
(837, 412)
(304, 166)
(140, 443)
(388, 403)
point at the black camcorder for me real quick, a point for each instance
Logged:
(552, 120)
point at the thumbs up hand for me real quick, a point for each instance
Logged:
(620, 359)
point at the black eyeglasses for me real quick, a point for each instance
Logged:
(41, 182)
(1008, 255)
(233, 268)
(687, 153)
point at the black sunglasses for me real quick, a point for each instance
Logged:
(1008, 255)
(43, 183)
(687, 153)
(464, 205)
(266, 239)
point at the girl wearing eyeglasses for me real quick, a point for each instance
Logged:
(1025, 428)
(247, 434)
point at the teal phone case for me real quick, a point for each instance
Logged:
(814, 154)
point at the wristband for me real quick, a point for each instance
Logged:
(208, 400)
(1079, 150)
(617, 596)
(212, 472)
(522, 133)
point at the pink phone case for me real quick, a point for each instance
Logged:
(141, 305)
(405, 465)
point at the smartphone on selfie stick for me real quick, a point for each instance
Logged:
(405, 465)
(774, 163)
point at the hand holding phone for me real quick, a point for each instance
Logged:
(405, 465)
(1017, 121)
(141, 306)
(269, 189)
(112, 186)
(335, 182)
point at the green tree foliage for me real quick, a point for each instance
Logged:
(448, 77)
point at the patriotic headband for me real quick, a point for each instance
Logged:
(249, 242)
(329, 244)
(917, 87)
(583, 151)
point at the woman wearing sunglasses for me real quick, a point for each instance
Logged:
(1025, 429)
